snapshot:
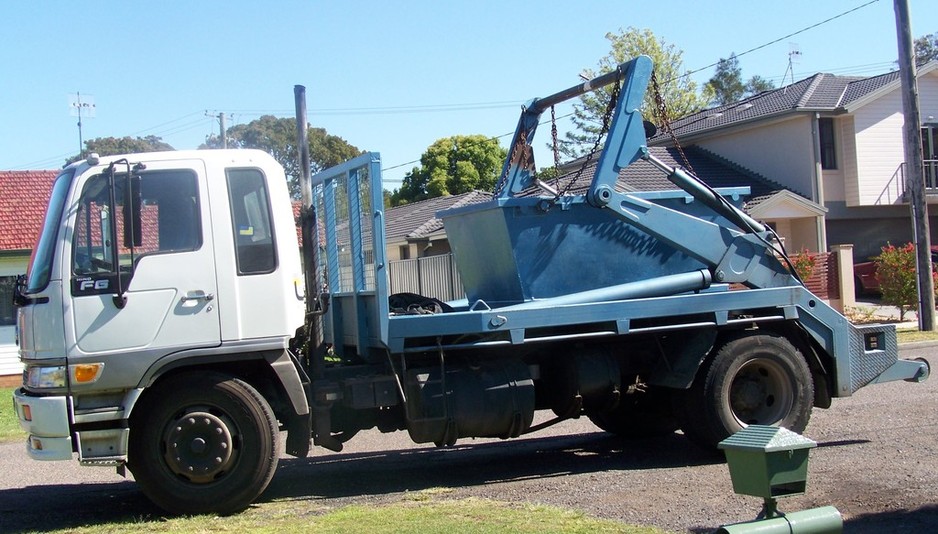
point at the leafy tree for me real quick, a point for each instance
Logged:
(109, 146)
(757, 84)
(727, 82)
(727, 85)
(451, 166)
(678, 91)
(387, 199)
(277, 136)
(926, 48)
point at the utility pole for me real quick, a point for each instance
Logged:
(222, 130)
(915, 177)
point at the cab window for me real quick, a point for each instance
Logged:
(255, 250)
(166, 211)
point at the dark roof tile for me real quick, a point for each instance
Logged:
(864, 86)
(643, 176)
(820, 92)
(418, 219)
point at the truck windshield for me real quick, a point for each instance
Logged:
(40, 268)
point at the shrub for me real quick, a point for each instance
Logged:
(895, 270)
(804, 263)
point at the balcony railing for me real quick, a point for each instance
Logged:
(895, 190)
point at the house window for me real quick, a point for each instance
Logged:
(930, 154)
(828, 150)
(7, 309)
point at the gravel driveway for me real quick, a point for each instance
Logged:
(877, 462)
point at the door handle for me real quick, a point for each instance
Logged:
(197, 295)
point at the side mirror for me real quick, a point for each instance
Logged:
(19, 291)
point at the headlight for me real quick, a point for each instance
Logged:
(45, 377)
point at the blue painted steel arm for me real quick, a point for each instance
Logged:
(517, 172)
(734, 256)
(625, 142)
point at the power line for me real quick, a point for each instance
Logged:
(471, 106)
(43, 162)
(184, 127)
(770, 43)
(493, 138)
(146, 130)
(456, 107)
(389, 110)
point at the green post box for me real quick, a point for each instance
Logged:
(772, 462)
(767, 461)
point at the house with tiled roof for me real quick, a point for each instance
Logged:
(414, 231)
(23, 199)
(835, 140)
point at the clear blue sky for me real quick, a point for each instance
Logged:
(386, 76)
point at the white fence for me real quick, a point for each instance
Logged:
(432, 276)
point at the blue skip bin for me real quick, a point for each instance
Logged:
(516, 250)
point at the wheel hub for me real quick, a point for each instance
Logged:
(199, 446)
(760, 393)
(748, 395)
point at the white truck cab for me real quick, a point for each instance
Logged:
(145, 260)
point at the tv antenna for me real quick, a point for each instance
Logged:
(794, 58)
(81, 106)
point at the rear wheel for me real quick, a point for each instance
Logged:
(203, 443)
(758, 379)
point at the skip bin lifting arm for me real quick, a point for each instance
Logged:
(741, 255)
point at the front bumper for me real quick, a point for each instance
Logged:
(45, 419)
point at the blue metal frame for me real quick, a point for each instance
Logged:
(358, 315)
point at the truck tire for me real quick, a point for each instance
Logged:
(754, 379)
(203, 443)
(645, 414)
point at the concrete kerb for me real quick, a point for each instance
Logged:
(912, 345)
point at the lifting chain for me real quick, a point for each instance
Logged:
(553, 136)
(522, 156)
(607, 117)
(662, 111)
(522, 153)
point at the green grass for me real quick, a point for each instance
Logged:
(9, 427)
(425, 512)
(912, 336)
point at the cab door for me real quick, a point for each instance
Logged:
(142, 268)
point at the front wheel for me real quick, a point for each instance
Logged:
(758, 379)
(203, 443)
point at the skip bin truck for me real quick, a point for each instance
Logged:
(168, 325)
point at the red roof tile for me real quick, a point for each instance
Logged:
(23, 199)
